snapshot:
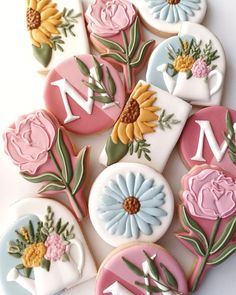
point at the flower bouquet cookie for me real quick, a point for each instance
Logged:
(115, 31)
(41, 149)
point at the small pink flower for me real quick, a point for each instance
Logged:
(200, 69)
(55, 247)
(209, 194)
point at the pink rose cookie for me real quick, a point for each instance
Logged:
(87, 92)
(208, 214)
(56, 31)
(43, 250)
(138, 269)
(116, 32)
(43, 152)
(209, 137)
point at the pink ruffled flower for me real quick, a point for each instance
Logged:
(200, 69)
(107, 18)
(29, 141)
(209, 194)
(55, 247)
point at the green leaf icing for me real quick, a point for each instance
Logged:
(79, 171)
(226, 253)
(43, 54)
(171, 280)
(42, 177)
(115, 152)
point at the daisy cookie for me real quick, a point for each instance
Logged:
(116, 32)
(138, 269)
(56, 30)
(41, 149)
(87, 92)
(208, 215)
(209, 137)
(43, 250)
(165, 17)
(190, 66)
(130, 202)
(149, 125)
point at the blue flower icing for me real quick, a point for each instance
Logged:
(150, 196)
(173, 13)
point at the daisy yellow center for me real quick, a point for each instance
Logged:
(131, 205)
(131, 112)
(33, 18)
(173, 2)
(183, 63)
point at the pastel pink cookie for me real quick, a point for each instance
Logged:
(208, 215)
(41, 149)
(85, 93)
(123, 271)
(204, 138)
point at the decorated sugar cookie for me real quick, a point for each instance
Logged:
(56, 31)
(130, 202)
(138, 269)
(41, 149)
(87, 92)
(147, 129)
(208, 214)
(190, 66)
(209, 137)
(165, 17)
(116, 33)
(43, 251)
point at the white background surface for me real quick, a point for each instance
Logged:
(21, 93)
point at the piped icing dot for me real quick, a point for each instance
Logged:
(33, 18)
(131, 112)
(131, 205)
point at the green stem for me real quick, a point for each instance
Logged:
(127, 59)
(205, 259)
(73, 202)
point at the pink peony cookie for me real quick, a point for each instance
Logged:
(208, 214)
(138, 269)
(116, 32)
(56, 31)
(209, 137)
(43, 152)
(87, 92)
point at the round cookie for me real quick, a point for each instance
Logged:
(43, 243)
(209, 137)
(130, 202)
(87, 92)
(41, 149)
(164, 17)
(208, 215)
(190, 66)
(123, 271)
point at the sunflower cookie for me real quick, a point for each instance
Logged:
(190, 66)
(43, 250)
(165, 17)
(138, 269)
(147, 129)
(130, 202)
(209, 137)
(116, 32)
(57, 31)
(88, 93)
(41, 149)
(208, 214)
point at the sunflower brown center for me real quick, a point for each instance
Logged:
(173, 2)
(131, 112)
(33, 19)
(131, 205)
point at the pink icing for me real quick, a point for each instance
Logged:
(55, 247)
(115, 269)
(107, 18)
(29, 140)
(190, 136)
(210, 194)
(200, 69)
(100, 119)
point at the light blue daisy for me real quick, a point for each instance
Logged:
(131, 205)
(171, 12)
